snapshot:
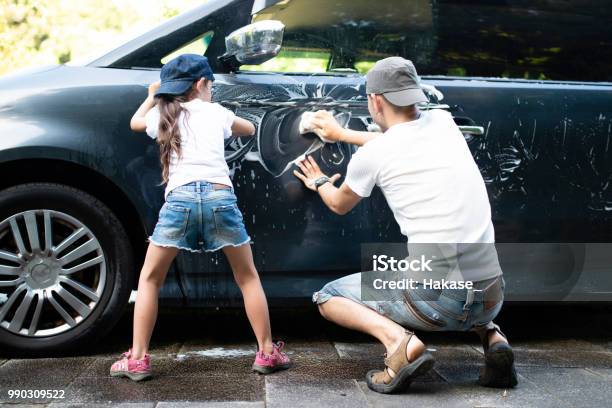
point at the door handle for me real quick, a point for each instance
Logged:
(472, 130)
(430, 105)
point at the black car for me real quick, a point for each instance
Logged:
(80, 192)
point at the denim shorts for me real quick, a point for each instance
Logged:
(197, 218)
(427, 309)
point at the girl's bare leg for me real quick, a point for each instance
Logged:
(255, 303)
(152, 277)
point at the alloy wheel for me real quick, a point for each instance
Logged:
(52, 273)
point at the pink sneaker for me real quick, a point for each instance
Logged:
(135, 370)
(269, 363)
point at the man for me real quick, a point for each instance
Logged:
(425, 169)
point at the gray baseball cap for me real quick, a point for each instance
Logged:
(396, 78)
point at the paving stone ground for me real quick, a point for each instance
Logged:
(563, 357)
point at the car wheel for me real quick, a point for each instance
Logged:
(66, 268)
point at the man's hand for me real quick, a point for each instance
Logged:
(325, 126)
(153, 88)
(329, 130)
(311, 173)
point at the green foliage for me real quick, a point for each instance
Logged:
(294, 60)
(34, 32)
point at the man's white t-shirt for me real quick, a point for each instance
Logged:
(203, 133)
(429, 178)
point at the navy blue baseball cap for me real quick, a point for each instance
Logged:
(179, 74)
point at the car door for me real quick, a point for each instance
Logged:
(546, 177)
(298, 243)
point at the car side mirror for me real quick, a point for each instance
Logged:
(253, 44)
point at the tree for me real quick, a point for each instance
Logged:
(46, 32)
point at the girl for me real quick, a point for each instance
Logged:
(200, 210)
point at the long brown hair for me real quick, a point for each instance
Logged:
(169, 135)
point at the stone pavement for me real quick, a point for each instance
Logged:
(565, 363)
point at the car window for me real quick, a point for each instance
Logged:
(197, 46)
(480, 38)
(188, 32)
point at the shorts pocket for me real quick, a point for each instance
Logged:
(227, 218)
(173, 220)
(418, 309)
(447, 307)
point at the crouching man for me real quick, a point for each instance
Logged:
(437, 195)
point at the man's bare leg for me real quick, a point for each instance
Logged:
(355, 316)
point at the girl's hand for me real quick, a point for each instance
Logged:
(311, 173)
(138, 122)
(153, 88)
(325, 125)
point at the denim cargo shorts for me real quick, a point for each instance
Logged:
(197, 218)
(426, 309)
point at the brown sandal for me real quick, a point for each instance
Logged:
(405, 371)
(499, 371)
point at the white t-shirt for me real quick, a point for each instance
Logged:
(203, 137)
(429, 178)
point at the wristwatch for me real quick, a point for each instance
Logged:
(320, 181)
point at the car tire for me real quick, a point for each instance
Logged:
(63, 207)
